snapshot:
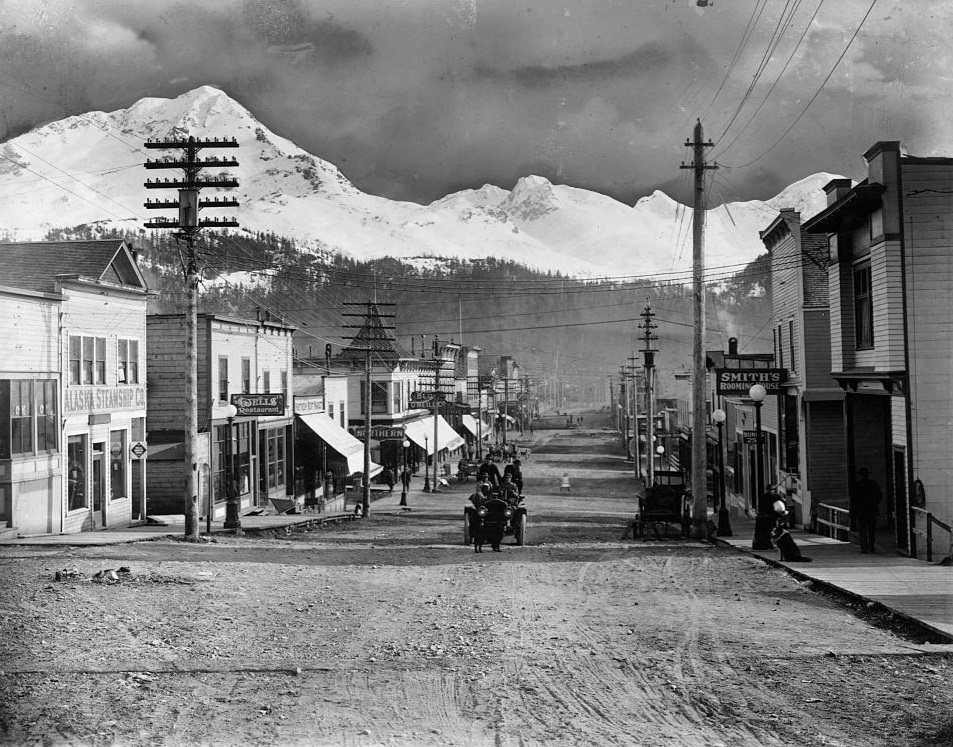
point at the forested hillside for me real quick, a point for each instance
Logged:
(585, 329)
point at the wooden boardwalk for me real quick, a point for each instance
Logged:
(913, 588)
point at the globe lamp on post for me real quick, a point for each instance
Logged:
(724, 524)
(426, 465)
(232, 518)
(763, 518)
(660, 450)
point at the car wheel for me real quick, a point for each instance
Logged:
(521, 530)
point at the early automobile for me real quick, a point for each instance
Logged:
(481, 521)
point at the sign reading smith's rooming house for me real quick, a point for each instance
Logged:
(259, 404)
(740, 380)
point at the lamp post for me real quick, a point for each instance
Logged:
(724, 523)
(426, 467)
(763, 518)
(403, 483)
(660, 450)
(232, 518)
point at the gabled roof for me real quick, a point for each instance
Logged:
(375, 336)
(39, 265)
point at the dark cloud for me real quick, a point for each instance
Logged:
(649, 58)
(414, 100)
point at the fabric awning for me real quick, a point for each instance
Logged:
(340, 441)
(471, 424)
(449, 438)
(421, 433)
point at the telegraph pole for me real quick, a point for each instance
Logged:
(371, 331)
(648, 354)
(699, 416)
(188, 225)
(436, 412)
(634, 407)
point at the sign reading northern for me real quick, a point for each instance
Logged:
(259, 404)
(740, 380)
(378, 432)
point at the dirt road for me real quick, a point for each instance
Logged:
(388, 631)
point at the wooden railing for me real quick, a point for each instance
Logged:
(922, 524)
(833, 521)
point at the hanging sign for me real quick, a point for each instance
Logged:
(740, 380)
(378, 432)
(259, 404)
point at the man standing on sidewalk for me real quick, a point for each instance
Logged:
(864, 505)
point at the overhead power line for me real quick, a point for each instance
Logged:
(814, 97)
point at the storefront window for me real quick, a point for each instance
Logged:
(273, 446)
(21, 417)
(27, 417)
(117, 465)
(243, 455)
(46, 430)
(76, 473)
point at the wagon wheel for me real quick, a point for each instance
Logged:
(467, 538)
(521, 530)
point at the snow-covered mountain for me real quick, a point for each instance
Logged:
(88, 169)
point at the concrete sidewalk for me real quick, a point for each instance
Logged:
(911, 588)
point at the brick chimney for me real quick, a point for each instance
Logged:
(835, 189)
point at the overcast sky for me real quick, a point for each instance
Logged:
(413, 99)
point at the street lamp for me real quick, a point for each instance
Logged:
(426, 466)
(724, 525)
(763, 518)
(660, 450)
(403, 483)
(232, 518)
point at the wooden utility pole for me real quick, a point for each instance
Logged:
(699, 416)
(436, 413)
(187, 226)
(371, 331)
(648, 327)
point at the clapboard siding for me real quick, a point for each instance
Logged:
(817, 348)
(928, 231)
(31, 334)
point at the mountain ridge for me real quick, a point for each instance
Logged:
(87, 169)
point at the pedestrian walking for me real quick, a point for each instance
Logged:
(389, 479)
(564, 483)
(405, 479)
(865, 503)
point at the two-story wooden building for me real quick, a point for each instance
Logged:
(890, 241)
(810, 406)
(72, 387)
(244, 362)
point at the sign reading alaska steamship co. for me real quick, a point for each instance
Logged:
(259, 404)
(740, 380)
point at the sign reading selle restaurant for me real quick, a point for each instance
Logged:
(740, 380)
(259, 404)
